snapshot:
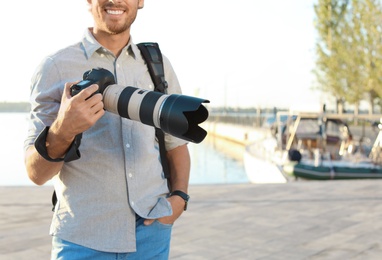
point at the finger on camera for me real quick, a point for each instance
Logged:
(88, 92)
(95, 99)
(95, 103)
(67, 88)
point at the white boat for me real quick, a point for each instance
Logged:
(312, 146)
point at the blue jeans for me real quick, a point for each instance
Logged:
(153, 242)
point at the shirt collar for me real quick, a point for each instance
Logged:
(91, 45)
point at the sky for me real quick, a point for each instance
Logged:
(242, 53)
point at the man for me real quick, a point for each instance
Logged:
(113, 201)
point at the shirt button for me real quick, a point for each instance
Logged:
(127, 145)
(132, 203)
(130, 175)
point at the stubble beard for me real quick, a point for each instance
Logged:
(115, 29)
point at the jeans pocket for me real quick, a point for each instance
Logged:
(164, 225)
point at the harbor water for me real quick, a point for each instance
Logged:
(214, 161)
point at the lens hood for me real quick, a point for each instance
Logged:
(181, 115)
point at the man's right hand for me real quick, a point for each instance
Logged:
(76, 115)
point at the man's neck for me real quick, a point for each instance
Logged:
(113, 42)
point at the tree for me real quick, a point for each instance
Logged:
(348, 49)
(370, 15)
(329, 68)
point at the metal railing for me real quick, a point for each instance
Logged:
(242, 119)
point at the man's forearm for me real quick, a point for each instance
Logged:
(179, 162)
(56, 144)
(40, 170)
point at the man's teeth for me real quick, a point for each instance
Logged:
(114, 11)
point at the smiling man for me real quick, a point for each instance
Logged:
(114, 201)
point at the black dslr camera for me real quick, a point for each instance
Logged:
(99, 76)
(176, 114)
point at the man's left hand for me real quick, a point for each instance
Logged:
(177, 204)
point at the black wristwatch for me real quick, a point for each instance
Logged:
(183, 195)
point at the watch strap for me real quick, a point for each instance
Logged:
(183, 195)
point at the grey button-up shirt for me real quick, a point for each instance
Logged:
(119, 173)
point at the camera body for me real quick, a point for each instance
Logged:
(175, 114)
(102, 77)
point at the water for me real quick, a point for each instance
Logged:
(217, 161)
(214, 161)
(13, 131)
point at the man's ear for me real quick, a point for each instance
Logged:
(141, 4)
(89, 5)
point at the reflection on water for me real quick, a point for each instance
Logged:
(217, 161)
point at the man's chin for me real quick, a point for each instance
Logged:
(114, 30)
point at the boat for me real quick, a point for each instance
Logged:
(358, 165)
(337, 171)
(317, 146)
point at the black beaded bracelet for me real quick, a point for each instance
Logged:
(72, 154)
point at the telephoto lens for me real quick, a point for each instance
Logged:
(178, 115)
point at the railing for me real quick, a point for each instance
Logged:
(242, 119)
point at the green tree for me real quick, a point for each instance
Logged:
(329, 69)
(352, 52)
(369, 13)
(348, 49)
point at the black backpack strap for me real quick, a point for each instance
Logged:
(152, 55)
(162, 150)
(71, 155)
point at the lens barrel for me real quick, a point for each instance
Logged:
(178, 115)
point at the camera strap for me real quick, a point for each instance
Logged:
(152, 55)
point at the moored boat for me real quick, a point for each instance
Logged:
(367, 165)
(337, 170)
(314, 146)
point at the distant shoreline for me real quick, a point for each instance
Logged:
(10, 107)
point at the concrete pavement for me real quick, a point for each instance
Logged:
(296, 220)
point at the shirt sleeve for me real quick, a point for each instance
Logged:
(46, 91)
(173, 88)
